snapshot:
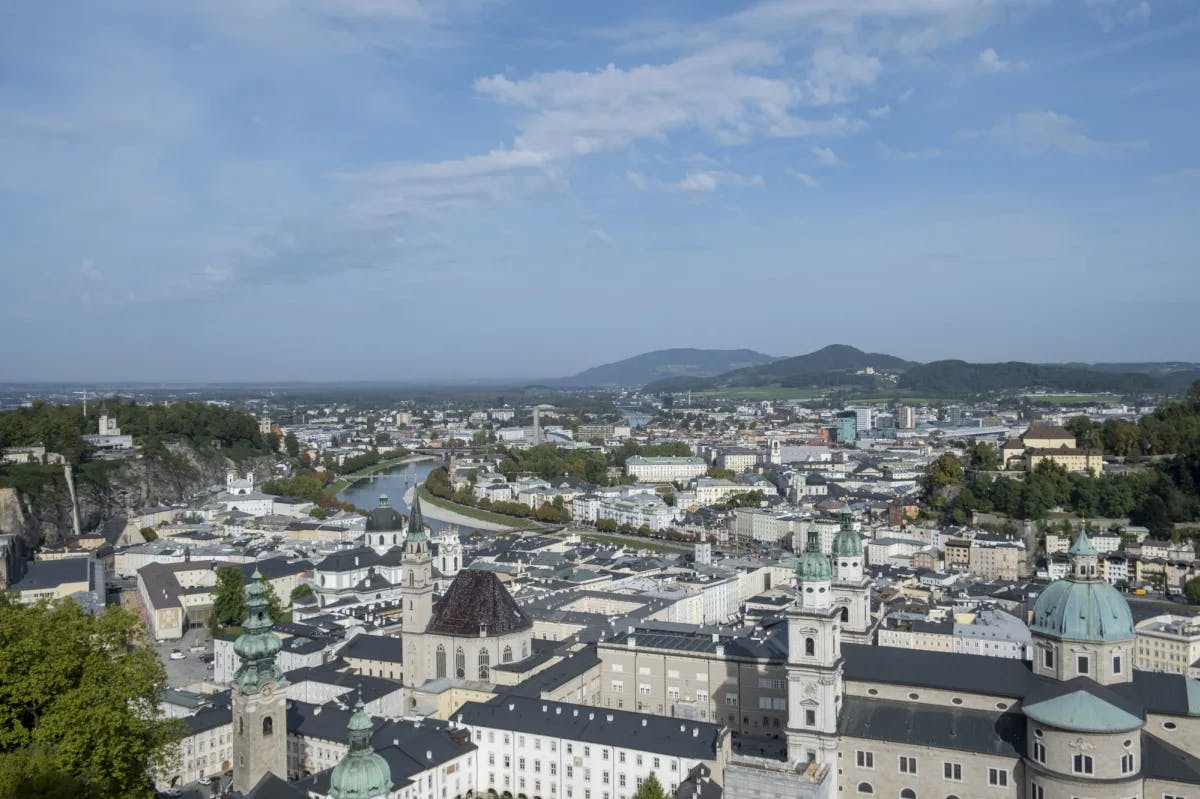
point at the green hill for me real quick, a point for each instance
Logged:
(664, 364)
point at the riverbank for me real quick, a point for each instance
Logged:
(343, 483)
(443, 510)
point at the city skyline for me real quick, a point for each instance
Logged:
(347, 189)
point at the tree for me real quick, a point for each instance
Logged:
(1192, 589)
(229, 597)
(721, 474)
(291, 444)
(651, 788)
(301, 591)
(149, 534)
(79, 697)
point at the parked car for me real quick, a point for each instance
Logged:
(207, 657)
(177, 655)
(205, 780)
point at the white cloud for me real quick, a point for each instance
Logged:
(826, 156)
(879, 112)
(1040, 132)
(711, 180)
(805, 178)
(990, 63)
(1110, 14)
(894, 154)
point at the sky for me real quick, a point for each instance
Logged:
(406, 190)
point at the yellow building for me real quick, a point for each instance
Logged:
(1043, 442)
(1168, 643)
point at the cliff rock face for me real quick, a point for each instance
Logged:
(117, 488)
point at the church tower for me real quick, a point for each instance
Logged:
(814, 667)
(258, 696)
(416, 592)
(851, 591)
(362, 773)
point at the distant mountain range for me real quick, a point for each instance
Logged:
(842, 365)
(663, 364)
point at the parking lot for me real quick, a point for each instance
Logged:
(191, 669)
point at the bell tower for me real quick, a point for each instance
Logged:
(258, 695)
(814, 665)
(416, 592)
(851, 592)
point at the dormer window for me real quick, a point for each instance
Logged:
(1082, 664)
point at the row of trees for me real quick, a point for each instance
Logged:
(438, 484)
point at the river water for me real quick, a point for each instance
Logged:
(394, 482)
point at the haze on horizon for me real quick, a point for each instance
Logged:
(355, 189)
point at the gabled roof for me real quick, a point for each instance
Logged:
(474, 599)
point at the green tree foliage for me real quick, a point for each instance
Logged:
(292, 445)
(721, 474)
(651, 788)
(548, 461)
(148, 534)
(667, 449)
(1191, 589)
(982, 456)
(79, 699)
(301, 591)
(229, 597)
(606, 525)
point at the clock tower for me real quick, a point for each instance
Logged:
(258, 696)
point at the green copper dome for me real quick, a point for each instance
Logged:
(847, 543)
(812, 566)
(362, 774)
(257, 646)
(1082, 607)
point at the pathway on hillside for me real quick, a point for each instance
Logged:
(451, 517)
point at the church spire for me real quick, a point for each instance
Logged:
(257, 646)
(416, 523)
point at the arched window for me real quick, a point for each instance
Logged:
(440, 661)
(460, 663)
(865, 787)
(951, 796)
(845, 613)
(810, 647)
(268, 726)
(241, 726)
(524, 649)
(908, 793)
(485, 662)
(506, 656)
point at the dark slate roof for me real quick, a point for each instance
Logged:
(373, 647)
(43, 574)
(384, 519)
(274, 568)
(477, 598)
(980, 731)
(553, 677)
(349, 560)
(943, 670)
(1162, 761)
(601, 726)
(272, 787)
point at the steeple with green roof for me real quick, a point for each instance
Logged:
(415, 540)
(257, 646)
(362, 773)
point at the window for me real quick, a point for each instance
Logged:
(485, 663)
(1082, 764)
(1116, 664)
(731, 700)
(908, 765)
(505, 657)
(908, 793)
(1081, 664)
(268, 726)
(845, 614)
(1039, 752)
(810, 718)
(998, 777)
(617, 667)
(864, 759)
(460, 663)
(440, 661)
(1127, 763)
(865, 787)
(810, 647)
(952, 771)
(1048, 658)
(1036, 791)
(618, 686)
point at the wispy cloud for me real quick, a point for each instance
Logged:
(826, 156)
(805, 178)
(990, 63)
(1033, 133)
(1110, 14)
(712, 180)
(894, 154)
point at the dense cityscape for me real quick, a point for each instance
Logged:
(490, 399)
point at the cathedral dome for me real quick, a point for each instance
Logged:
(384, 518)
(1082, 607)
(362, 773)
(847, 543)
(812, 566)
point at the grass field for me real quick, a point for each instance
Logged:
(475, 513)
(1073, 399)
(764, 393)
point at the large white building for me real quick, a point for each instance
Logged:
(667, 469)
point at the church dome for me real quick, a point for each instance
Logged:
(362, 773)
(812, 566)
(383, 518)
(847, 543)
(1082, 607)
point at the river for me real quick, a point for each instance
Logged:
(394, 482)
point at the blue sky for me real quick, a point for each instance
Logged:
(396, 189)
